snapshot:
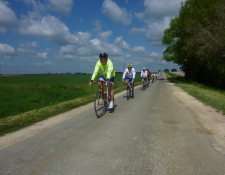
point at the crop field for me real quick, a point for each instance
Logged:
(20, 94)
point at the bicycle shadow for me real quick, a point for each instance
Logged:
(129, 98)
(112, 110)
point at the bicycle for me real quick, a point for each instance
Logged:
(147, 83)
(144, 85)
(101, 100)
(129, 90)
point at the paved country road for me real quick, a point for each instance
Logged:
(150, 134)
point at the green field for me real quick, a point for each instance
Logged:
(20, 94)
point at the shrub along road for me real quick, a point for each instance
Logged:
(154, 133)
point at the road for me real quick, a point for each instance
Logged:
(150, 134)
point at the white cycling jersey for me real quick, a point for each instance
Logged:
(144, 74)
(129, 74)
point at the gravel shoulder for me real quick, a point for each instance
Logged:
(213, 122)
(181, 73)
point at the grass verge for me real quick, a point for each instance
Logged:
(14, 123)
(209, 96)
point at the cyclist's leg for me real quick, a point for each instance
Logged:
(110, 88)
(132, 84)
(126, 81)
(101, 78)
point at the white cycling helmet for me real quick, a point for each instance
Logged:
(143, 68)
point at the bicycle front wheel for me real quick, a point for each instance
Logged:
(99, 105)
(128, 95)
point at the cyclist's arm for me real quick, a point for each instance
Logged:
(95, 73)
(124, 74)
(141, 74)
(134, 73)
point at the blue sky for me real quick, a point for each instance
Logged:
(60, 36)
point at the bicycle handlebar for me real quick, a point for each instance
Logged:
(97, 82)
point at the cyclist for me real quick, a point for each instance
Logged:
(153, 76)
(107, 73)
(130, 76)
(149, 74)
(143, 75)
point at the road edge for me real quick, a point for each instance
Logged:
(24, 133)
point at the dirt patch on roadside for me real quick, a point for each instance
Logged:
(180, 73)
(213, 122)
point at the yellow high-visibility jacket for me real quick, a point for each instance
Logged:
(106, 70)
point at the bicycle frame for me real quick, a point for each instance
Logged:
(102, 90)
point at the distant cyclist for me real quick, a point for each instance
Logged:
(144, 75)
(129, 73)
(153, 77)
(107, 73)
(156, 76)
(149, 74)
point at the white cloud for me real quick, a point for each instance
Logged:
(157, 16)
(7, 51)
(7, 17)
(98, 26)
(137, 30)
(105, 35)
(28, 50)
(157, 10)
(35, 45)
(139, 49)
(38, 8)
(155, 31)
(156, 55)
(49, 63)
(32, 45)
(51, 28)
(69, 49)
(115, 13)
(96, 46)
(38, 64)
(46, 63)
(118, 39)
(63, 7)
(68, 52)
(42, 55)
(122, 44)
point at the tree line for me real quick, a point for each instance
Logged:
(195, 40)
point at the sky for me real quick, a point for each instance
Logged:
(61, 36)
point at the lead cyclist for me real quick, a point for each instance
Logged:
(130, 76)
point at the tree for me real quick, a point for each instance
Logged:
(195, 40)
(166, 70)
(174, 70)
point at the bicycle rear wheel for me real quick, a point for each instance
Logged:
(99, 105)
